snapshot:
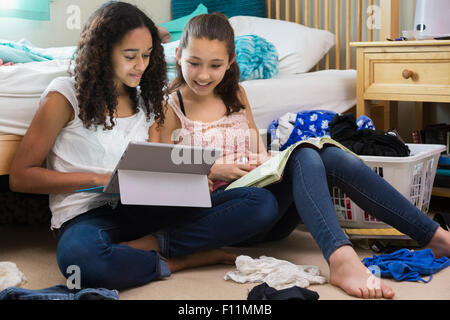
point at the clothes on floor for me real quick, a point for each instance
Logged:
(265, 292)
(278, 274)
(10, 275)
(59, 292)
(406, 265)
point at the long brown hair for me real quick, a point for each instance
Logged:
(94, 74)
(213, 26)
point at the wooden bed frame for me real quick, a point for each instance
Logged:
(333, 15)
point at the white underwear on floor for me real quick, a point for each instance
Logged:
(10, 275)
(278, 274)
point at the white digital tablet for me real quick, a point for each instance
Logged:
(162, 174)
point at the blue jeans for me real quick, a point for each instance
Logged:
(303, 195)
(90, 241)
(58, 292)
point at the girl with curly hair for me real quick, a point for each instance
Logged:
(81, 129)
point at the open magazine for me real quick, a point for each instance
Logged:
(271, 171)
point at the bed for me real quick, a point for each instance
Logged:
(329, 84)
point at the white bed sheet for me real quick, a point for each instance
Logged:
(333, 90)
(22, 85)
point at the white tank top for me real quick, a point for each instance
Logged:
(77, 149)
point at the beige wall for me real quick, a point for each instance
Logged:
(55, 33)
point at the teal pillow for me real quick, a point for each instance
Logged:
(175, 27)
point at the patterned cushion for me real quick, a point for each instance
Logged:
(230, 8)
(256, 57)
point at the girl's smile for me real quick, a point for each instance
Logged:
(204, 63)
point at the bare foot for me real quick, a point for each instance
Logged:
(440, 243)
(203, 258)
(147, 242)
(348, 273)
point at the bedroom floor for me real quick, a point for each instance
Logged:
(33, 250)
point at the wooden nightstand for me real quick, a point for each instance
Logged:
(390, 71)
(393, 71)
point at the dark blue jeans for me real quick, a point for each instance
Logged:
(303, 195)
(59, 292)
(90, 241)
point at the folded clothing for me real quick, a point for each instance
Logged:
(406, 265)
(278, 274)
(59, 292)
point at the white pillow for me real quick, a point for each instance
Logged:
(299, 48)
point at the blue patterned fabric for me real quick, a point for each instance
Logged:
(405, 265)
(310, 124)
(257, 58)
(230, 8)
(364, 122)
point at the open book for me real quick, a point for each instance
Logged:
(271, 171)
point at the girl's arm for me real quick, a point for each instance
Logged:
(27, 174)
(165, 132)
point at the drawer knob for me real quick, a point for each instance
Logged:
(407, 74)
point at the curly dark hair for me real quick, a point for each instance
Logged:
(94, 74)
(213, 26)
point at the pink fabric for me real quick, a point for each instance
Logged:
(230, 133)
(5, 64)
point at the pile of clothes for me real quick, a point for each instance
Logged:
(360, 136)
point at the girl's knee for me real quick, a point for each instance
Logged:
(79, 254)
(266, 206)
(307, 158)
(335, 156)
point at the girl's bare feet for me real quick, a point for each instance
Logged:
(147, 242)
(440, 243)
(348, 273)
(202, 258)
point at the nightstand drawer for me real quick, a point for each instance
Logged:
(407, 73)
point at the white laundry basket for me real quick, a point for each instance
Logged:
(412, 176)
